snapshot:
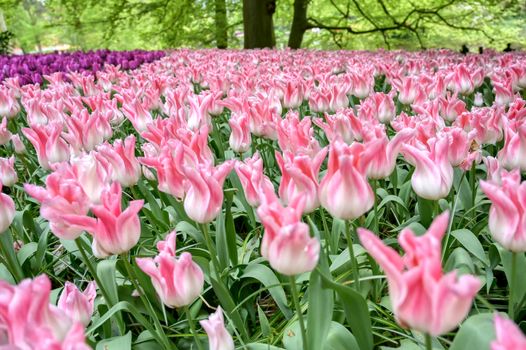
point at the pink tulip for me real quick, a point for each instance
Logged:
(343, 126)
(385, 109)
(178, 281)
(408, 91)
(274, 216)
(451, 108)
(509, 336)
(125, 168)
(433, 176)
(136, 113)
(507, 215)
(459, 145)
(5, 134)
(76, 304)
(250, 173)
(383, 153)
(218, 336)
(240, 139)
(86, 132)
(503, 93)
(293, 251)
(300, 177)
(293, 94)
(8, 176)
(9, 106)
(422, 297)
(28, 321)
(114, 231)
(204, 195)
(169, 165)
(7, 211)
(50, 147)
(478, 100)
(344, 190)
(62, 196)
(92, 176)
(297, 136)
(18, 145)
(513, 154)
(461, 81)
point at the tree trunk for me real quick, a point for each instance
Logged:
(258, 24)
(221, 24)
(299, 24)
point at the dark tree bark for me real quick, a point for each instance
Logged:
(258, 24)
(221, 24)
(299, 24)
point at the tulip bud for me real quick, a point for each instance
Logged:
(7, 211)
(8, 176)
(508, 335)
(177, 281)
(76, 304)
(18, 145)
(218, 336)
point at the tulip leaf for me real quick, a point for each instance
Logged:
(471, 243)
(321, 306)
(356, 312)
(476, 332)
(263, 323)
(228, 304)
(106, 270)
(267, 277)
(116, 343)
(338, 338)
(26, 252)
(259, 346)
(8, 252)
(520, 284)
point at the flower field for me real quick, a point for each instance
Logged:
(263, 200)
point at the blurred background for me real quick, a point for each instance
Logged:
(49, 25)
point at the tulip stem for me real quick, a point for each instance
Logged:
(146, 302)
(376, 228)
(354, 262)
(211, 248)
(513, 279)
(429, 342)
(93, 272)
(192, 327)
(328, 243)
(296, 300)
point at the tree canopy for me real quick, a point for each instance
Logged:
(323, 24)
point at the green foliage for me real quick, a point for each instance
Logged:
(160, 24)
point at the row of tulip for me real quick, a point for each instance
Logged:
(32, 68)
(270, 171)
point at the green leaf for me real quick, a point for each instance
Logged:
(230, 229)
(259, 346)
(116, 343)
(321, 306)
(356, 312)
(471, 243)
(338, 338)
(263, 323)
(228, 304)
(106, 270)
(26, 252)
(520, 284)
(477, 332)
(8, 252)
(267, 277)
